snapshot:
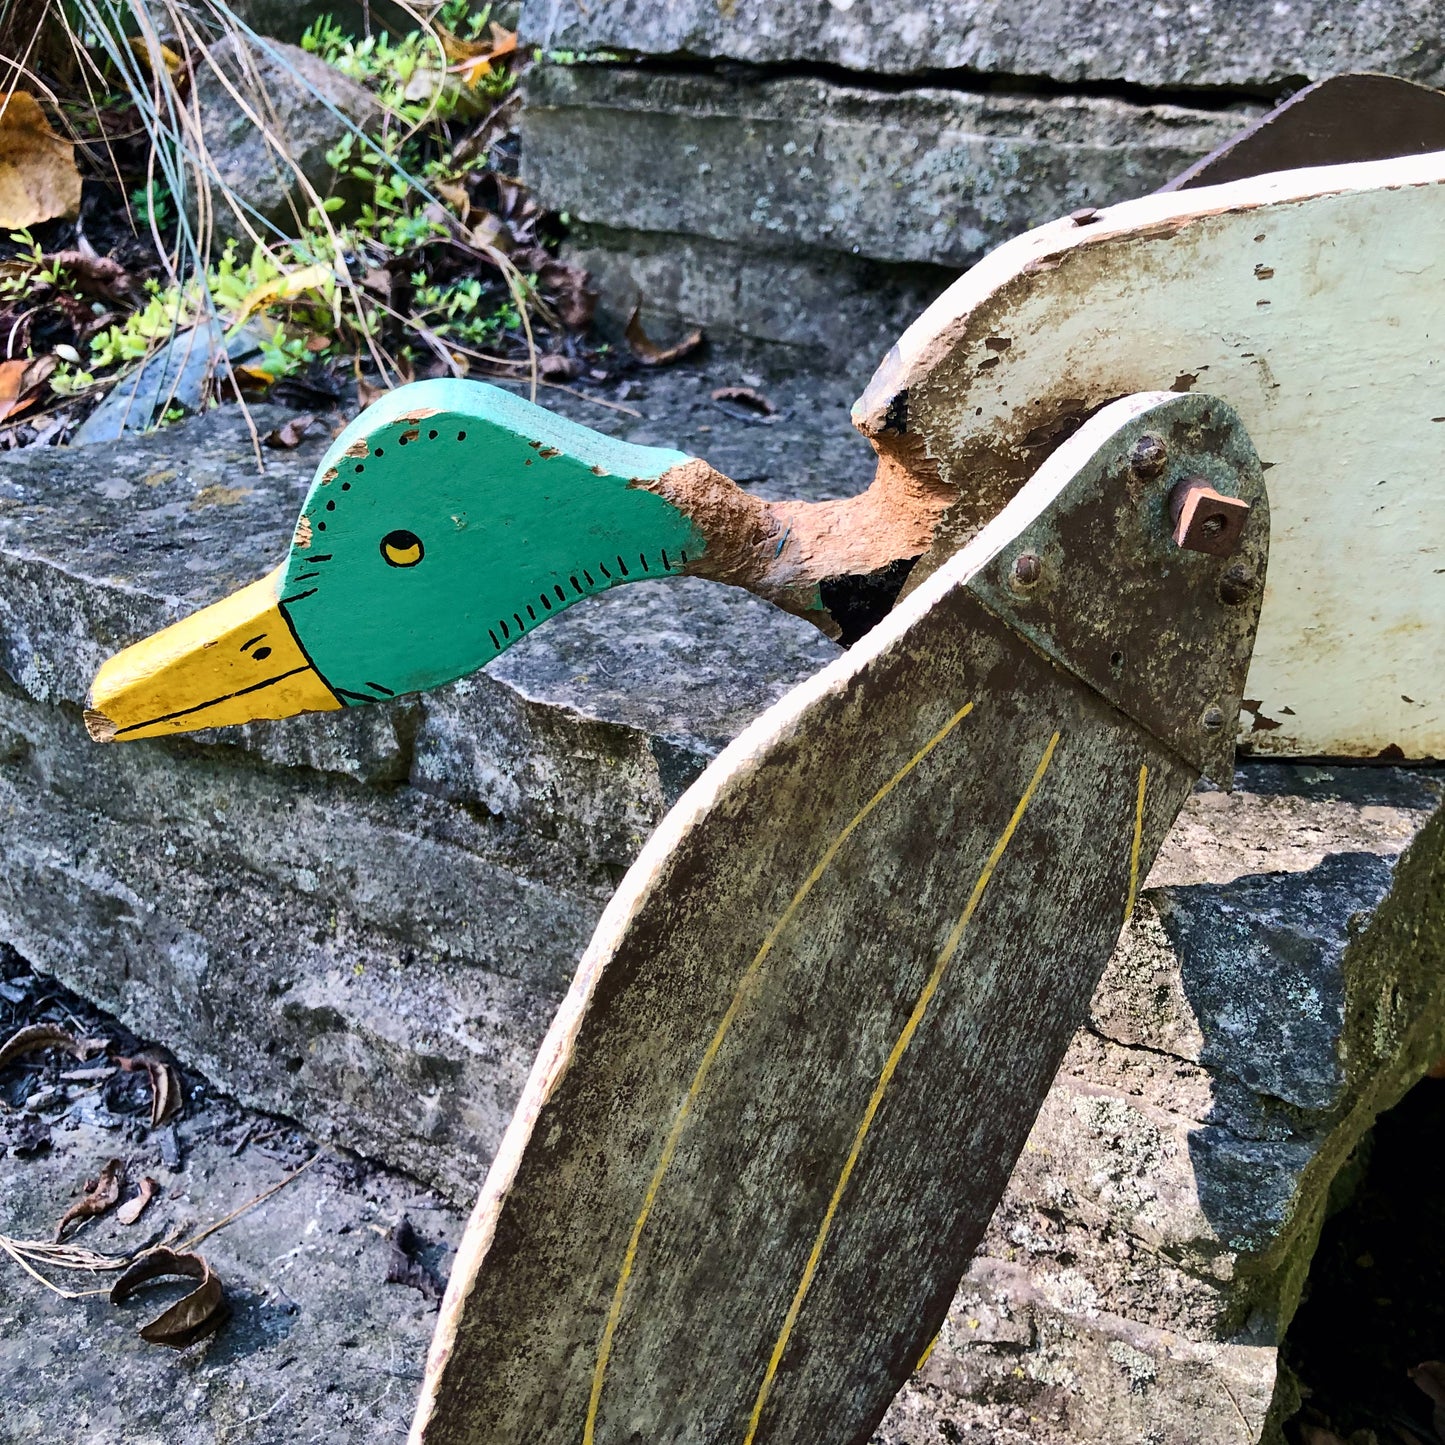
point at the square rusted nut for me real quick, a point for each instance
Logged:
(1206, 520)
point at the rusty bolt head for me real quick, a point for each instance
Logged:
(1206, 520)
(1148, 458)
(1236, 585)
(1027, 569)
(1213, 719)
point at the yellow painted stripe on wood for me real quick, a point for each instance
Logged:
(1138, 843)
(928, 1351)
(905, 1038)
(679, 1122)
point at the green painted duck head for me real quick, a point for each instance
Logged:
(445, 523)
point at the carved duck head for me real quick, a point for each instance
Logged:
(445, 523)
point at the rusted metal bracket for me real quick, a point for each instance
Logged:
(1178, 502)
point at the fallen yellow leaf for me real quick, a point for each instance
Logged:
(38, 178)
(472, 59)
(172, 62)
(316, 277)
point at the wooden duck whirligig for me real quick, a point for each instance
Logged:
(784, 1093)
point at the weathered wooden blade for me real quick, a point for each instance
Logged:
(805, 1046)
(1313, 301)
(1341, 120)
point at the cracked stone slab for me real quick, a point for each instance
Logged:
(920, 176)
(1171, 44)
(365, 917)
(365, 920)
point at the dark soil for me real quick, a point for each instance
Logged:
(1375, 1303)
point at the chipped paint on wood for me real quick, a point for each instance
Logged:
(1313, 301)
(779, 1103)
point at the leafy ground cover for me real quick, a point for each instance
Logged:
(420, 254)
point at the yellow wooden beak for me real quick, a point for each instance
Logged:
(233, 662)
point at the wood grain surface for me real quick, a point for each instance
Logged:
(805, 1046)
(1313, 301)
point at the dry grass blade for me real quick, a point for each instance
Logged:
(29, 1254)
(235, 1214)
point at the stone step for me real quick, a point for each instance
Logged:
(1203, 44)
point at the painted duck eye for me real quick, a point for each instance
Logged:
(402, 549)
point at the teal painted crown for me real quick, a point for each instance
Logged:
(451, 519)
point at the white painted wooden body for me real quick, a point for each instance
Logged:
(1313, 301)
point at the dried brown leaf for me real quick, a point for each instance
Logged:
(404, 1265)
(648, 352)
(99, 1198)
(366, 393)
(747, 398)
(134, 1207)
(472, 59)
(99, 276)
(290, 434)
(32, 1039)
(565, 285)
(1429, 1376)
(38, 177)
(555, 367)
(167, 1096)
(189, 1319)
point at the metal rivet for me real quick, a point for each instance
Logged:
(1213, 719)
(1084, 216)
(1236, 586)
(1027, 569)
(1148, 458)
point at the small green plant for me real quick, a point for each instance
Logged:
(153, 206)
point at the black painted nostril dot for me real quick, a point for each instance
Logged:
(379, 452)
(261, 654)
(461, 436)
(432, 435)
(321, 526)
(359, 467)
(346, 486)
(331, 506)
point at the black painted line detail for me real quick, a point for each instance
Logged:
(358, 696)
(310, 591)
(623, 565)
(666, 565)
(247, 646)
(561, 595)
(505, 633)
(642, 557)
(588, 576)
(324, 557)
(531, 612)
(211, 702)
(602, 567)
(377, 687)
(521, 626)
(305, 576)
(578, 586)
(546, 602)
(493, 636)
